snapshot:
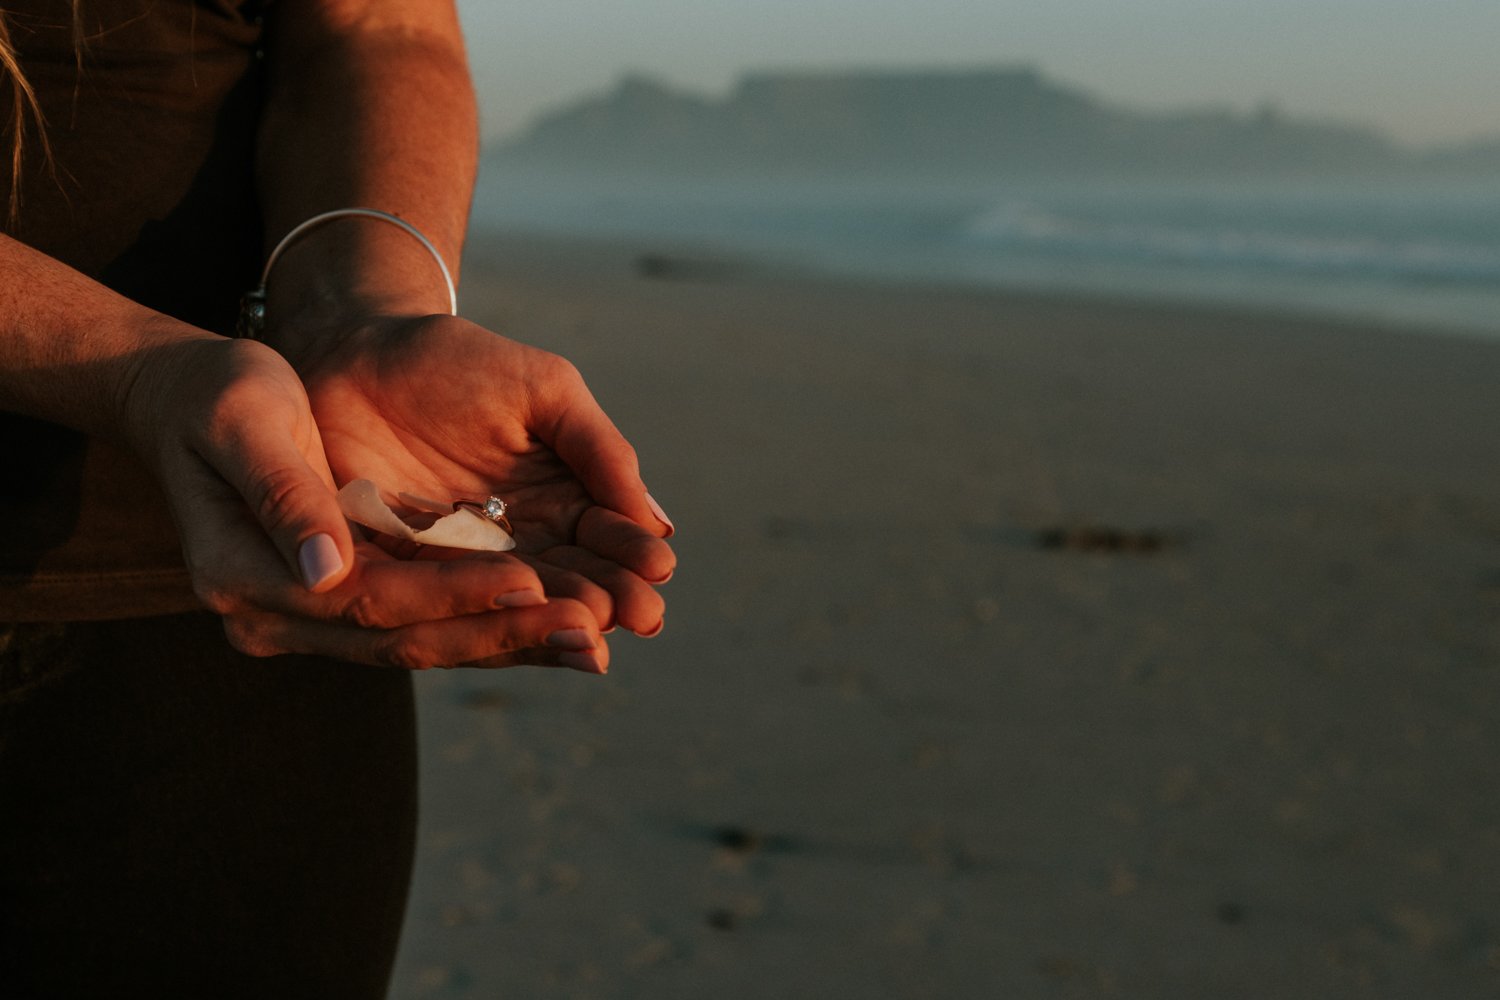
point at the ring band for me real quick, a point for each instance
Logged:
(491, 508)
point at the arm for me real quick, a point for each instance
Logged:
(225, 426)
(71, 350)
(371, 106)
(75, 353)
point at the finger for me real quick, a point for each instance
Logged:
(560, 633)
(291, 499)
(606, 464)
(638, 607)
(558, 582)
(383, 592)
(620, 540)
(594, 661)
(386, 593)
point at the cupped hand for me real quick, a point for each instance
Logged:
(227, 426)
(440, 407)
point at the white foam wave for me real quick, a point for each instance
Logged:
(1029, 227)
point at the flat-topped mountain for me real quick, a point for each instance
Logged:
(963, 124)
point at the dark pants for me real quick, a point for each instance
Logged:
(177, 820)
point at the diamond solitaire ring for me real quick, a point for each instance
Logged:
(491, 508)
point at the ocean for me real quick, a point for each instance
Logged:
(1418, 254)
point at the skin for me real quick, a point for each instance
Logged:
(361, 375)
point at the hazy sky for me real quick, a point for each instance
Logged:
(1423, 69)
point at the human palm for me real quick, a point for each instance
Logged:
(440, 407)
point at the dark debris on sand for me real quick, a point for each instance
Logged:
(1094, 538)
(662, 267)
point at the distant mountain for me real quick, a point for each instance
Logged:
(948, 124)
(1480, 158)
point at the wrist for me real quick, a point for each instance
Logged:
(315, 338)
(340, 268)
(72, 351)
(154, 386)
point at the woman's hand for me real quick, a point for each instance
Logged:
(440, 407)
(226, 425)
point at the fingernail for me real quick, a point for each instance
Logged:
(319, 559)
(661, 515)
(653, 631)
(664, 579)
(580, 661)
(571, 638)
(520, 599)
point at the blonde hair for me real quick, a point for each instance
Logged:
(24, 105)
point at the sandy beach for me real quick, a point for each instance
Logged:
(1020, 647)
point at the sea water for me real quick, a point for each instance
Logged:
(1411, 253)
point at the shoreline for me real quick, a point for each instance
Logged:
(708, 261)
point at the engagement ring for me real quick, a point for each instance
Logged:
(491, 508)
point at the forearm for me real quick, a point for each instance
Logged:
(370, 106)
(71, 350)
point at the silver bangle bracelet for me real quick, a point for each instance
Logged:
(252, 321)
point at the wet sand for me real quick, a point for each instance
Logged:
(1021, 647)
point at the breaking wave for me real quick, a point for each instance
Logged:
(1344, 243)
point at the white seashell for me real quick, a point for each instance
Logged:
(423, 503)
(461, 529)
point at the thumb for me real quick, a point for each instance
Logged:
(290, 492)
(606, 464)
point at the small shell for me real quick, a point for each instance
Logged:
(462, 529)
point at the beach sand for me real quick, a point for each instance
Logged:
(1020, 647)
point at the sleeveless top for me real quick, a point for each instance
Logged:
(152, 121)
